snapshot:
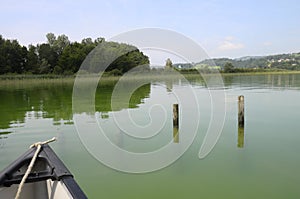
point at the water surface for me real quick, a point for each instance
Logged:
(263, 163)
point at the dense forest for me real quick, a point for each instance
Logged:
(61, 56)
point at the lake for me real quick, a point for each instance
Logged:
(263, 162)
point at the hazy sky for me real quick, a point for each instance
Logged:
(232, 28)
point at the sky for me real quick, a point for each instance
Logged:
(231, 28)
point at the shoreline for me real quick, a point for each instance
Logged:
(71, 78)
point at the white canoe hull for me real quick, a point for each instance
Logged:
(49, 179)
(38, 190)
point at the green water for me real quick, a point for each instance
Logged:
(264, 163)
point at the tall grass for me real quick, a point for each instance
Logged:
(21, 81)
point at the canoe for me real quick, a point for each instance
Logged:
(49, 177)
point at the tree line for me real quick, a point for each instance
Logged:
(281, 61)
(61, 56)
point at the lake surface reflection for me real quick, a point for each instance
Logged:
(261, 161)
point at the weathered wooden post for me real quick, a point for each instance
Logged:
(241, 121)
(175, 123)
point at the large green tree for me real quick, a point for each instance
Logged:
(60, 56)
(13, 56)
(129, 61)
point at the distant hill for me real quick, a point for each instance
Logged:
(248, 57)
(280, 61)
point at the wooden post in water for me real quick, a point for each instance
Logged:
(175, 123)
(241, 121)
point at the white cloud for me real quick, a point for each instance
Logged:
(230, 44)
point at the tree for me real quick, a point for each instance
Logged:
(125, 62)
(72, 57)
(13, 56)
(87, 41)
(32, 60)
(45, 67)
(47, 58)
(2, 56)
(51, 38)
(99, 40)
(228, 68)
(169, 64)
(57, 44)
(61, 42)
